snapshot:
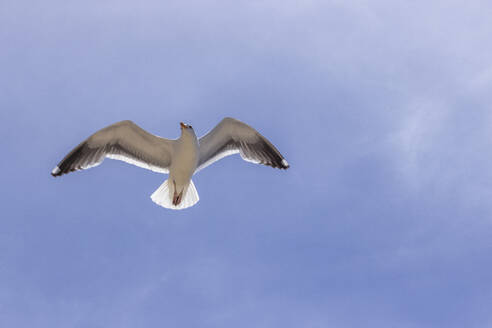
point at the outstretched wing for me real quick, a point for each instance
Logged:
(231, 136)
(123, 141)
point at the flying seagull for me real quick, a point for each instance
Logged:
(180, 158)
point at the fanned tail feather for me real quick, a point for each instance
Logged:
(163, 196)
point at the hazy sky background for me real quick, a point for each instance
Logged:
(382, 108)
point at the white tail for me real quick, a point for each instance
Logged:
(163, 196)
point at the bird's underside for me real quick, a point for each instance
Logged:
(181, 158)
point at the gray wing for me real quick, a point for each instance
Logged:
(123, 141)
(231, 136)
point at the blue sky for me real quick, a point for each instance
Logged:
(382, 108)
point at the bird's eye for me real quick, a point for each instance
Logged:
(190, 126)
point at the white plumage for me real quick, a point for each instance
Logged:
(181, 158)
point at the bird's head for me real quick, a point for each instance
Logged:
(185, 126)
(187, 129)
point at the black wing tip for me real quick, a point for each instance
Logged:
(70, 162)
(282, 165)
(271, 156)
(56, 172)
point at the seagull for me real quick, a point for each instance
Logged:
(180, 158)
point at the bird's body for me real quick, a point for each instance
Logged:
(181, 158)
(183, 165)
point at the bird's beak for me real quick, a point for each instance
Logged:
(183, 126)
